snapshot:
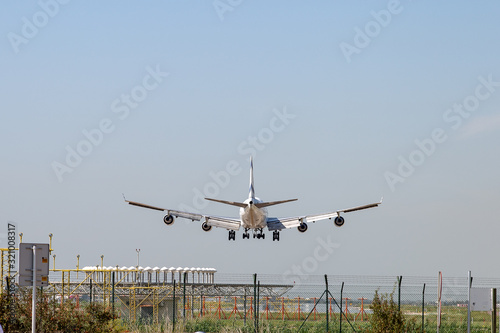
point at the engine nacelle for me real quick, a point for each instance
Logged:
(302, 227)
(168, 219)
(206, 227)
(339, 221)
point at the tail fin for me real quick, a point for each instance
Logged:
(251, 195)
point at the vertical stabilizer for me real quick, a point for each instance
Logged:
(251, 195)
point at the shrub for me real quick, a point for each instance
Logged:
(52, 316)
(386, 317)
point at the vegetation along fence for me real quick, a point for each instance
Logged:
(344, 303)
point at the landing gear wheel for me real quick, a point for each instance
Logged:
(246, 234)
(232, 235)
(276, 236)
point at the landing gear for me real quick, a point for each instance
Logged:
(232, 235)
(260, 234)
(246, 234)
(276, 236)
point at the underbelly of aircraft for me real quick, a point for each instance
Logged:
(254, 218)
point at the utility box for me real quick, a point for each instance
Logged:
(26, 264)
(480, 299)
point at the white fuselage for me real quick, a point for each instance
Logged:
(251, 216)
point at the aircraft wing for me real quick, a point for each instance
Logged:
(176, 213)
(319, 217)
(216, 221)
(223, 222)
(275, 223)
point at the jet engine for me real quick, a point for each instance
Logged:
(206, 227)
(168, 219)
(339, 221)
(302, 227)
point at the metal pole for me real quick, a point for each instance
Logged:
(113, 293)
(174, 309)
(494, 310)
(184, 296)
(257, 308)
(33, 305)
(327, 293)
(255, 300)
(469, 285)
(245, 308)
(341, 312)
(440, 292)
(400, 278)
(423, 307)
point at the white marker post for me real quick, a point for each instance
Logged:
(33, 307)
(32, 273)
(469, 285)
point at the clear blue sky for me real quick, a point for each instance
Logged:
(383, 98)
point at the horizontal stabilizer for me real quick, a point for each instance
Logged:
(232, 203)
(272, 203)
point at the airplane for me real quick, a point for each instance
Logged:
(254, 216)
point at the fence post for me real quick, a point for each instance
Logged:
(423, 308)
(469, 285)
(327, 318)
(257, 303)
(184, 296)
(494, 310)
(341, 312)
(255, 300)
(173, 309)
(245, 308)
(113, 294)
(400, 278)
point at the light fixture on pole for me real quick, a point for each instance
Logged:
(77, 264)
(138, 252)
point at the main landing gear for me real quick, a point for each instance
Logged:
(246, 234)
(260, 234)
(257, 233)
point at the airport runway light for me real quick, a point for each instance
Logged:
(20, 237)
(102, 261)
(54, 257)
(138, 252)
(77, 264)
(50, 243)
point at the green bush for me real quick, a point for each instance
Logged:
(52, 316)
(387, 318)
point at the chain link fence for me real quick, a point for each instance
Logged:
(268, 300)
